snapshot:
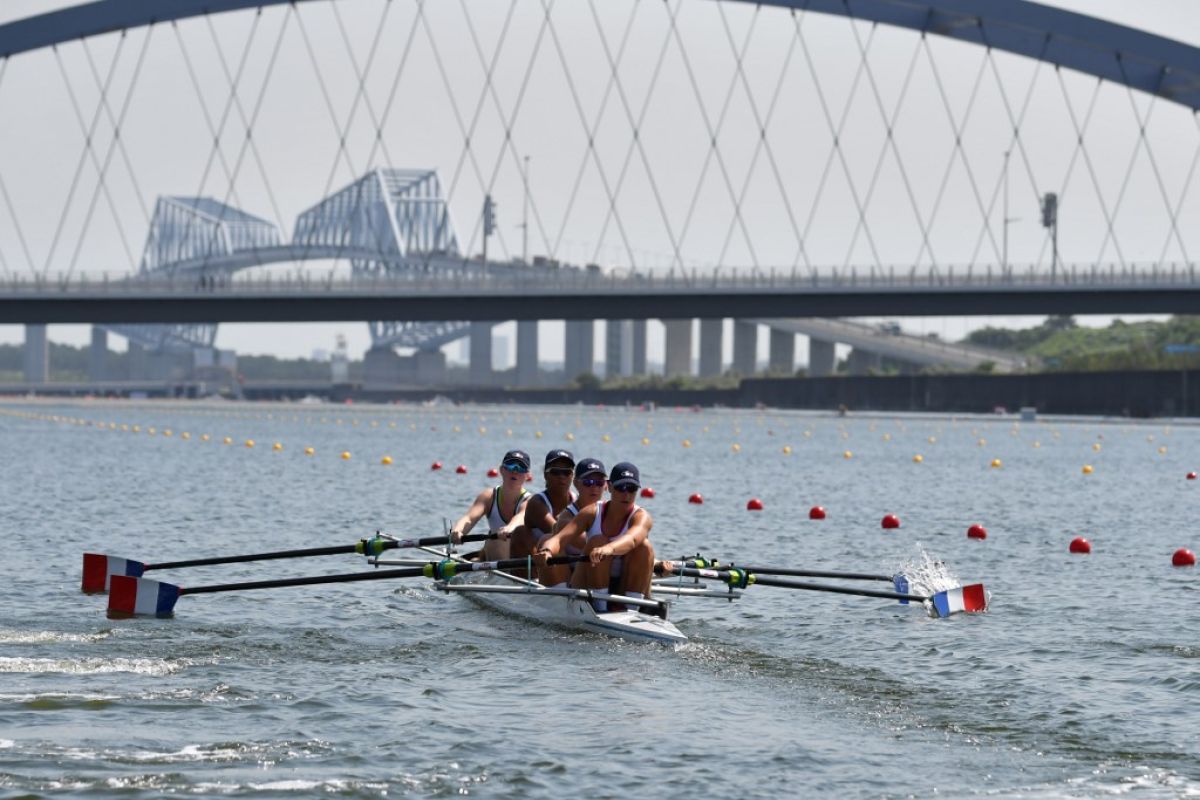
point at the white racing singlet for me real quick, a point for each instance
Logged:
(495, 521)
(539, 535)
(597, 529)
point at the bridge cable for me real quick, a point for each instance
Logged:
(1187, 185)
(83, 155)
(12, 210)
(102, 183)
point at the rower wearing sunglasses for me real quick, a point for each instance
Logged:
(590, 481)
(617, 544)
(501, 505)
(545, 506)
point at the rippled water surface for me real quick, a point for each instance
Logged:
(1083, 680)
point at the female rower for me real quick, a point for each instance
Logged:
(545, 506)
(590, 480)
(502, 505)
(620, 556)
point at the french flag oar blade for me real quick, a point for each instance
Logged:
(141, 597)
(98, 570)
(970, 599)
(902, 586)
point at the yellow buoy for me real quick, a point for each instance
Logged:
(277, 447)
(249, 443)
(204, 437)
(918, 458)
(606, 438)
(932, 439)
(345, 455)
(787, 449)
(1162, 450)
(737, 448)
(847, 454)
(185, 436)
(227, 440)
(1087, 469)
(1096, 447)
(537, 434)
(645, 440)
(385, 460)
(457, 429)
(981, 442)
(508, 432)
(997, 463)
(687, 442)
(1037, 444)
(167, 432)
(308, 451)
(570, 437)
(887, 437)
(482, 430)
(151, 431)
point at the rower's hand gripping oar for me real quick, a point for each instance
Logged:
(131, 596)
(98, 569)
(968, 599)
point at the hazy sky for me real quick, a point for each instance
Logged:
(674, 195)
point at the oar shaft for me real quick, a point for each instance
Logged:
(429, 541)
(374, 575)
(815, 573)
(762, 580)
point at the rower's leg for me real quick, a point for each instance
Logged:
(588, 575)
(520, 546)
(495, 550)
(638, 569)
(554, 574)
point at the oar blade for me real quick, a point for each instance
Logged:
(970, 599)
(141, 597)
(902, 585)
(98, 570)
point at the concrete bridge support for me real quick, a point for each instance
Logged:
(618, 348)
(527, 353)
(480, 353)
(98, 356)
(37, 354)
(821, 358)
(862, 362)
(745, 348)
(639, 346)
(580, 346)
(712, 344)
(782, 358)
(678, 357)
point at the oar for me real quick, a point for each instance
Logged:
(706, 563)
(969, 599)
(137, 597)
(98, 568)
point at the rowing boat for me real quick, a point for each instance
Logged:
(563, 608)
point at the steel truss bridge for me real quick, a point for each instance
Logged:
(853, 179)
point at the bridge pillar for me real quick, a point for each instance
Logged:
(639, 347)
(861, 362)
(430, 367)
(527, 353)
(37, 354)
(678, 357)
(581, 345)
(618, 348)
(745, 348)
(712, 345)
(98, 356)
(783, 352)
(821, 360)
(480, 355)
(137, 362)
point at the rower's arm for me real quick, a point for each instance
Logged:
(473, 515)
(639, 531)
(518, 518)
(537, 515)
(560, 535)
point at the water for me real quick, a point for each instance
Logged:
(1082, 681)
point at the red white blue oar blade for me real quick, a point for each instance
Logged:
(963, 599)
(98, 569)
(141, 597)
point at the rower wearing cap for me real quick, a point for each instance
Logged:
(590, 480)
(545, 506)
(617, 531)
(501, 505)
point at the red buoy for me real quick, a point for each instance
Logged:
(890, 521)
(1191, 476)
(493, 473)
(436, 465)
(976, 531)
(754, 504)
(647, 492)
(528, 477)
(1183, 558)
(816, 512)
(696, 499)
(1080, 545)
(460, 469)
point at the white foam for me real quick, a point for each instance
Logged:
(10, 636)
(926, 575)
(7, 744)
(91, 666)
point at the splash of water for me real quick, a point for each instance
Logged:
(926, 574)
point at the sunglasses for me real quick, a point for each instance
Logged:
(592, 481)
(625, 487)
(515, 467)
(561, 472)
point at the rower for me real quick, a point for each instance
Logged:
(501, 505)
(620, 556)
(590, 480)
(545, 506)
